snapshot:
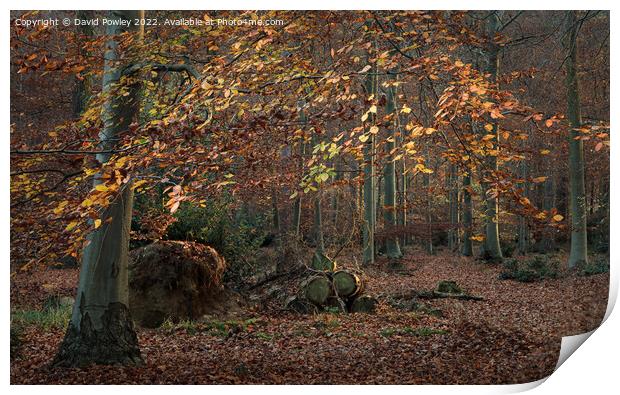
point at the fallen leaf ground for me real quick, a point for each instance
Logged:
(512, 336)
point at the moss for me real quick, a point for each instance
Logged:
(449, 287)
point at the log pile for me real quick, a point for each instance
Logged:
(328, 288)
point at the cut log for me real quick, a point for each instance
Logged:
(299, 305)
(318, 289)
(322, 262)
(364, 304)
(336, 303)
(346, 283)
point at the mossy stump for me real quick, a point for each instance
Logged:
(448, 287)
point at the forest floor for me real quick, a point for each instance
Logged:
(512, 336)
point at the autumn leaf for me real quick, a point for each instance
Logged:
(174, 207)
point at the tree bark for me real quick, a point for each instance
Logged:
(453, 234)
(81, 93)
(370, 210)
(492, 249)
(297, 204)
(101, 330)
(467, 216)
(578, 209)
(523, 243)
(392, 247)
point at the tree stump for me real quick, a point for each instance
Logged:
(449, 287)
(346, 283)
(174, 280)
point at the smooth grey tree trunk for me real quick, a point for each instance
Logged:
(370, 210)
(453, 197)
(392, 247)
(467, 216)
(523, 243)
(402, 199)
(492, 249)
(101, 330)
(318, 216)
(297, 203)
(578, 209)
(426, 179)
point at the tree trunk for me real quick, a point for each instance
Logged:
(101, 330)
(402, 199)
(524, 231)
(578, 209)
(81, 93)
(392, 247)
(492, 249)
(297, 204)
(336, 191)
(369, 182)
(429, 208)
(276, 211)
(318, 223)
(467, 216)
(453, 185)
(547, 241)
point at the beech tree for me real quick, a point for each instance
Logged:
(392, 246)
(101, 329)
(578, 208)
(492, 247)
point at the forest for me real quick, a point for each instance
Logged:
(306, 197)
